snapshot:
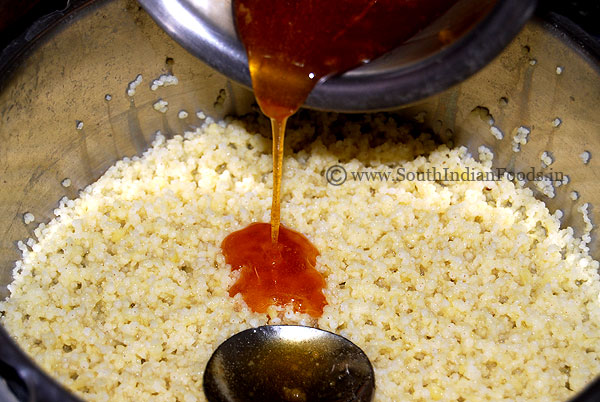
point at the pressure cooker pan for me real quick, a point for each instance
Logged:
(60, 73)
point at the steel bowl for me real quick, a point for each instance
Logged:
(423, 66)
(60, 71)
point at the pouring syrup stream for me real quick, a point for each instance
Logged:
(292, 45)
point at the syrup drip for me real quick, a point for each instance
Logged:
(279, 275)
(292, 45)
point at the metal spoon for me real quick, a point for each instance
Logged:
(288, 363)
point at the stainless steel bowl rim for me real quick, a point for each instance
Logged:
(352, 92)
(37, 384)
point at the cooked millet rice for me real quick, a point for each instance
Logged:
(161, 106)
(131, 88)
(496, 132)
(585, 157)
(546, 159)
(457, 291)
(28, 217)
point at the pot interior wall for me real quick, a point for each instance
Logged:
(65, 77)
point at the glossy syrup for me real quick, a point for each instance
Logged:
(291, 46)
(284, 274)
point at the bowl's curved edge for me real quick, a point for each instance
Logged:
(45, 387)
(579, 40)
(589, 48)
(11, 54)
(28, 377)
(437, 73)
(22, 375)
(199, 37)
(347, 92)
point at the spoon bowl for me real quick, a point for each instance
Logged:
(288, 363)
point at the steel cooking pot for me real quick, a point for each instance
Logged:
(60, 73)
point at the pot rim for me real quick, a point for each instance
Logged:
(352, 92)
(38, 384)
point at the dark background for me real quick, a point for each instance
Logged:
(17, 15)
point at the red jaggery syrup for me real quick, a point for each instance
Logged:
(291, 46)
(275, 274)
